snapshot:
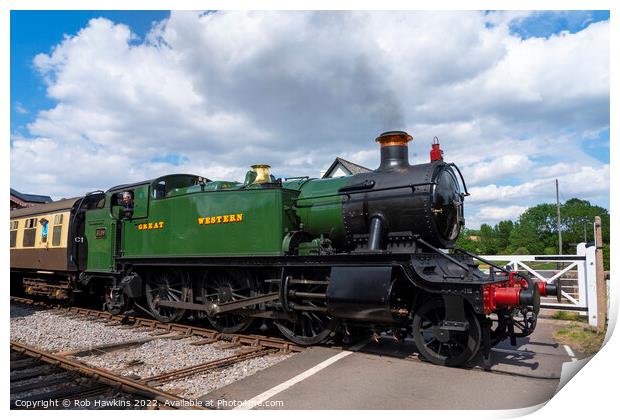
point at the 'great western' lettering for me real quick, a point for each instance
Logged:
(216, 220)
(150, 226)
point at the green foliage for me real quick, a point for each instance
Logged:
(467, 242)
(569, 316)
(536, 231)
(521, 251)
(577, 218)
(580, 337)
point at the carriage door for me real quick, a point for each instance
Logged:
(77, 236)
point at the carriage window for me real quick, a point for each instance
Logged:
(30, 232)
(14, 225)
(57, 230)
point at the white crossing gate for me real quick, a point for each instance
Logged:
(576, 273)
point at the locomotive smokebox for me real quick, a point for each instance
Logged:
(394, 150)
(390, 208)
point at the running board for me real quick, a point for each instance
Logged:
(213, 309)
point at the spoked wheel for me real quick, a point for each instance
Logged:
(523, 322)
(310, 324)
(453, 348)
(308, 327)
(167, 285)
(227, 286)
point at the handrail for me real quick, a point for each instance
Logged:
(349, 193)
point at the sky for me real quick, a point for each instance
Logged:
(517, 99)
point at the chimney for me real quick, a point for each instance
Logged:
(394, 150)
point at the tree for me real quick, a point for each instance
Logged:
(488, 240)
(577, 218)
(533, 230)
(469, 239)
(536, 231)
(502, 232)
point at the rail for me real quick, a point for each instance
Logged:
(106, 377)
(207, 333)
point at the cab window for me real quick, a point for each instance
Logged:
(124, 203)
(171, 185)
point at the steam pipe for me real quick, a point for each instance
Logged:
(376, 233)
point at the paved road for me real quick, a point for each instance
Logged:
(387, 375)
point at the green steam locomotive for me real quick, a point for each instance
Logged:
(314, 257)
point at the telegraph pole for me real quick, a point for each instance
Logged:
(585, 234)
(557, 200)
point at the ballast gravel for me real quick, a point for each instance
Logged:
(162, 355)
(156, 357)
(52, 331)
(198, 385)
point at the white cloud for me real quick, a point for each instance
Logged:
(585, 182)
(493, 214)
(19, 108)
(224, 90)
(507, 165)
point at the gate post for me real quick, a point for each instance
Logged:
(601, 289)
(590, 281)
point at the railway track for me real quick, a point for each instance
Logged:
(60, 376)
(41, 379)
(207, 334)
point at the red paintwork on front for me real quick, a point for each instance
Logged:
(506, 294)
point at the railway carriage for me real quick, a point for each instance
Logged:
(43, 263)
(315, 257)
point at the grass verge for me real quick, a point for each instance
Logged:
(581, 337)
(568, 316)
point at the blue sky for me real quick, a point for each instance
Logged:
(517, 98)
(34, 32)
(546, 23)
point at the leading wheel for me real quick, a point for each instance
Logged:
(167, 285)
(522, 323)
(453, 348)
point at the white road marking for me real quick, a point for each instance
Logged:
(259, 399)
(570, 352)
